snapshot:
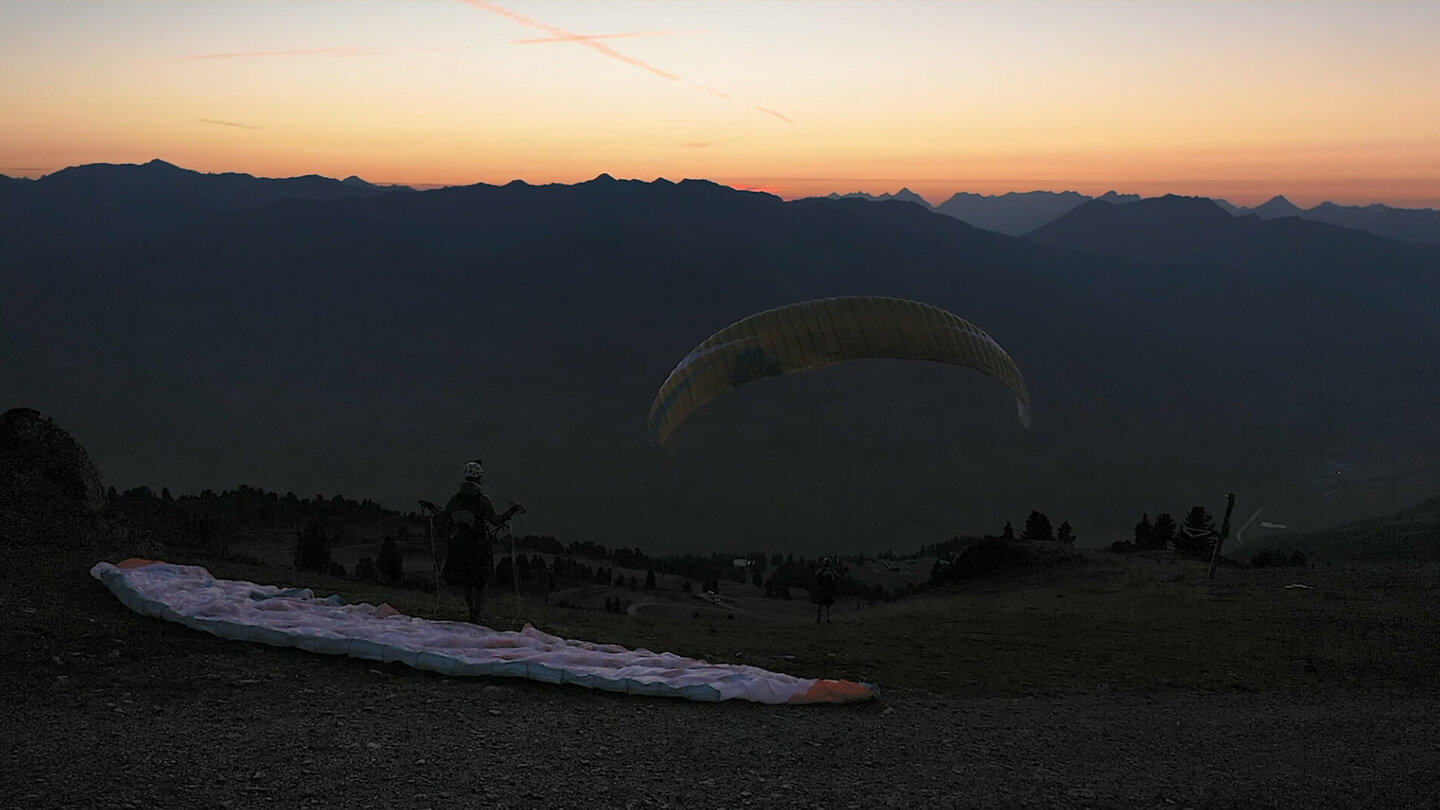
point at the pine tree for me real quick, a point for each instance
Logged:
(1162, 534)
(1064, 535)
(1145, 533)
(1037, 527)
(1197, 536)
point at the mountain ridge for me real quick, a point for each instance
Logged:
(364, 344)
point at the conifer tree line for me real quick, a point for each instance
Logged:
(1195, 537)
(319, 526)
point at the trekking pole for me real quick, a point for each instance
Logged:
(429, 509)
(514, 567)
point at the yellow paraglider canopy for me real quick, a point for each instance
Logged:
(814, 334)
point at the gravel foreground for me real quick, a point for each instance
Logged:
(114, 710)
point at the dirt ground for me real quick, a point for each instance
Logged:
(109, 709)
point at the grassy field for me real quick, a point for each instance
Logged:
(1116, 623)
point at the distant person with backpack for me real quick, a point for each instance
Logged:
(466, 522)
(827, 581)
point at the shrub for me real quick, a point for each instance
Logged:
(1278, 559)
(989, 556)
(391, 565)
(365, 571)
(312, 548)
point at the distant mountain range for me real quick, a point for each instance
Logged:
(98, 202)
(1373, 270)
(903, 195)
(1014, 213)
(201, 331)
(1406, 224)
(1019, 213)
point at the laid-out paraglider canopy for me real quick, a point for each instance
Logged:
(814, 334)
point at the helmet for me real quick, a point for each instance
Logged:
(474, 469)
(828, 561)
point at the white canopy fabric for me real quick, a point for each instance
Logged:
(295, 617)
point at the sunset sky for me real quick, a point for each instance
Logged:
(1243, 100)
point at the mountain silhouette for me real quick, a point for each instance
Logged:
(903, 195)
(1018, 213)
(1116, 197)
(1150, 230)
(359, 182)
(1276, 207)
(98, 202)
(1401, 278)
(1421, 225)
(368, 345)
(1014, 213)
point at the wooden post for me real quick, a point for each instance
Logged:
(1224, 533)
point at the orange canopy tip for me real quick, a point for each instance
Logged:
(137, 562)
(825, 691)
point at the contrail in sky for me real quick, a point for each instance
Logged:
(227, 123)
(578, 39)
(590, 41)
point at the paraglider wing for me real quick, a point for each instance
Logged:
(814, 334)
(296, 617)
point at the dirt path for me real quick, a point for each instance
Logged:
(263, 726)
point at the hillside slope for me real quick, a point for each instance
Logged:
(368, 346)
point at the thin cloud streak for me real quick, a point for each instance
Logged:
(561, 35)
(776, 114)
(349, 51)
(578, 39)
(581, 37)
(226, 123)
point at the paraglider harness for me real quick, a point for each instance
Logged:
(827, 581)
(469, 548)
(470, 543)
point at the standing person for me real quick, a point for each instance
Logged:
(827, 581)
(466, 521)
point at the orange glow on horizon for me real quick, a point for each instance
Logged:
(1235, 101)
(1402, 192)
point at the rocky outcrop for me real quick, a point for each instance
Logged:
(46, 478)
